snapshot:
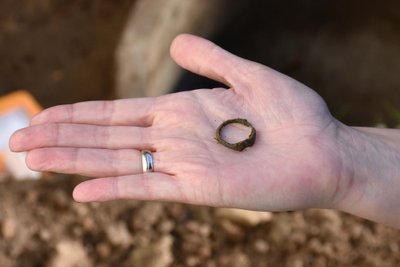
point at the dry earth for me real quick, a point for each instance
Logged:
(42, 226)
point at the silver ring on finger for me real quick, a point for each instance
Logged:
(147, 161)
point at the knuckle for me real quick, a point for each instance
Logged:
(109, 110)
(102, 135)
(34, 160)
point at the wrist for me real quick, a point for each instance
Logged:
(370, 185)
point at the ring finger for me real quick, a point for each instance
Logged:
(92, 162)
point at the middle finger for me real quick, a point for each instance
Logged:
(84, 135)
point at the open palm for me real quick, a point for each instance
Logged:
(294, 163)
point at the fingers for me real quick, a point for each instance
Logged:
(84, 136)
(207, 59)
(147, 186)
(91, 162)
(138, 112)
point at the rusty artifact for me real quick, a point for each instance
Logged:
(239, 146)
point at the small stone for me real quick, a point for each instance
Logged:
(60, 199)
(9, 228)
(203, 230)
(81, 209)
(205, 251)
(191, 243)
(141, 239)
(70, 253)
(193, 226)
(231, 229)
(103, 250)
(280, 230)
(192, 261)
(88, 224)
(236, 259)
(77, 231)
(314, 230)
(157, 254)
(119, 235)
(32, 196)
(261, 246)
(298, 263)
(147, 215)
(295, 260)
(244, 217)
(45, 234)
(165, 227)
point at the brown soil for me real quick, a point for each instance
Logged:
(42, 226)
(63, 52)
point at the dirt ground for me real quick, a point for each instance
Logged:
(62, 51)
(43, 226)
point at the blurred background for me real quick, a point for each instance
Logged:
(68, 51)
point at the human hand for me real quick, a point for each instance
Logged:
(296, 161)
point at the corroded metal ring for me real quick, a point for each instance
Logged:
(239, 146)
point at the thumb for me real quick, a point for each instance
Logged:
(207, 59)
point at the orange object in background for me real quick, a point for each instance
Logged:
(16, 110)
(19, 99)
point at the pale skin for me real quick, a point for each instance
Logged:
(302, 158)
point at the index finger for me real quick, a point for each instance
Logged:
(136, 111)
